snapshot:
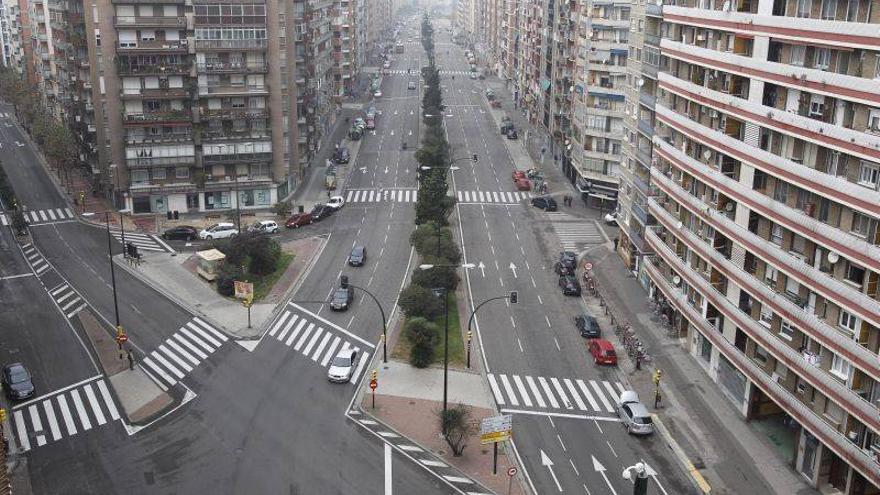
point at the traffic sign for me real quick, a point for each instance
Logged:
(495, 429)
(122, 338)
(511, 471)
(588, 266)
(374, 384)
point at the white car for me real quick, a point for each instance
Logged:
(343, 365)
(219, 231)
(634, 415)
(378, 94)
(336, 202)
(611, 218)
(267, 226)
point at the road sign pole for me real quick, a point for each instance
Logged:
(511, 472)
(495, 458)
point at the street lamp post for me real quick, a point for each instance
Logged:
(384, 323)
(466, 266)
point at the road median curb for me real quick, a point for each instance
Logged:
(693, 473)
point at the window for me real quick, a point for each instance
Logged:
(798, 243)
(760, 354)
(798, 54)
(159, 174)
(874, 118)
(181, 172)
(839, 366)
(766, 317)
(817, 105)
(822, 58)
(780, 192)
(776, 234)
(829, 9)
(786, 330)
(848, 321)
(862, 225)
(140, 177)
(770, 274)
(855, 273)
(869, 174)
(803, 8)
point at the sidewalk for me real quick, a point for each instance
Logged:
(175, 277)
(732, 454)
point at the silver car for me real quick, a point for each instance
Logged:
(635, 416)
(343, 365)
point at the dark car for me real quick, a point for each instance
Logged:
(181, 232)
(566, 263)
(342, 298)
(298, 220)
(358, 256)
(511, 134)
(588, 326)
(569, 285)
(320, 212)
(17, 382)
(341, 155)
(545, 203)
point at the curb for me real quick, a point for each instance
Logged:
(694, 475)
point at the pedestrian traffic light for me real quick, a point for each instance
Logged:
(2, 415)
(514, 295)
(374, 375)
(343, 281)
(657, 375)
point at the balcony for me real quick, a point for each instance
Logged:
(840, 190)
(647, 99)
(157, 93)
(171, 161)
(845, 449)
(233, 67)
(830, 288)
(234, 158)
(234, 89)
(231, 44)
(150, 21)
(229, 113)
(158, 116)
(153, 46)
(830, 238)
(125, 69)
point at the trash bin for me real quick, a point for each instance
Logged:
(176, 215)
(169, 215)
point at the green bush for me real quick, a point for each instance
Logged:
(417, 301)
(423, 335)
(424, 239)
(226, 279)
(257, 252)
(439, 276)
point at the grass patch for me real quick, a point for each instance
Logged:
(264, 284)
(456, 345)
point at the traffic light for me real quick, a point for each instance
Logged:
(131, 249)
(2, 415)
(343, 281)
(374, 375)
(475, 158)
(514, 296)
(656, 377)
(470, 336)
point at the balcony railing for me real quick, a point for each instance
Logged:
(231, 44)
(154, 46)
(782, 351)
(846, 450)
(144, 162)
(221, 89)
(157, 93)
(150, 21)
(124, 69)
(159, 116)
(235, 113)
(233, 67)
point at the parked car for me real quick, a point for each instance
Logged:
(17, 382)
(343, 365)
(588, 326)
(342, 298)
(518, 175)
(611, 218)
(298, 220)
(219, 231)
(265, 226)
(602, 352)
(341, 155)
(358, 256)
(523, 185)
(336, 202)
(411, 85)
(569, 285)
(387, 64)
(378, 94)
(511, 134)
(545, 203)
(634, 414)
(181, 232)
(320, 212)
(472, 75)
(566, 263)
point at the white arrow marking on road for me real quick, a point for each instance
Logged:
(363, 170)
(386, 169)
(410, 132)
(392, 132)
(653, 473)
(389, 485)
(599, 468)
(545, 461)
(513, 269)
(395, 112)
(482, 268)
(410, 112)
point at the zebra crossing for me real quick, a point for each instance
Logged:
(317, 338)
(68, 299)
(183, 351)
(487, 197)
(64, 413)
(415, 72)
(515, 391)
(35, 258)
(575, 233)
(41, 217)
(144, 242)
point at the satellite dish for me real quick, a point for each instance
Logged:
(640, 83)
(676, 280)
(833, 257)
(707, 154)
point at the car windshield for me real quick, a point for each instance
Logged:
(340, 295)
(212, 227)
(18, 375)
(642, 420)
(357, 252)
(342, 361)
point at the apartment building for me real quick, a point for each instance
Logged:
(766, 174)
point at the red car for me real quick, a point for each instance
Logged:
(602, 352)
(298, 220)
(523, 185)
(518, 175)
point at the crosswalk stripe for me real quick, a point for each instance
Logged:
(535, 392)
(507, 388)
(495, 390)
(165, 376)
(34, 216)
(164, 362)
(65, 414)
(61, 213)
(61, 299)
(174, 357)
(305, 336)
(495, 197)
(108, 400)
(588, 395)
(69, 213)
(547, 392)
(620, 387)
(186, 331)
(51, 214)
(433, 463)
(601, 396)
(96, 406)
(561, 392)
(286, 328)
(180, 350)
(574, 394)
(189, 345)
(52, 420)
(80, 410)
(201, 332)
(611, 391)
(393, 196)
(522, 390)
(410, 448)
(23, 439)
(321, 346)
(213, 331)
(329, 354)
(415, 196)
(361, 364)
(58, 290)
(37, 424)
(295, 332)
(314, 340)
(3, 220)
(460, 195)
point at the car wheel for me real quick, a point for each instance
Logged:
(596, 361)
(209, 237)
